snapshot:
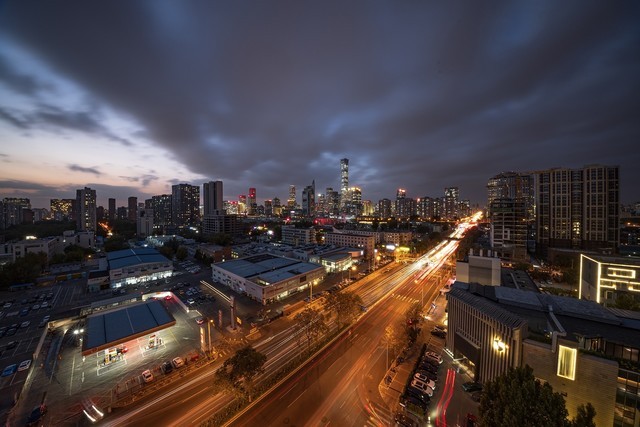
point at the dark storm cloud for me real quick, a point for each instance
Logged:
(78, 168)
(417, 95)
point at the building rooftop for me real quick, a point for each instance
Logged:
(129, 257)
(266, 267)
(579, 318)
(110, 328)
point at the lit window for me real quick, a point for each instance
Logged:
(567, 362)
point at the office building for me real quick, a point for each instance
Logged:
(212, 196)
(221, 224)
(267, 278)
(309, 200)
(252, 204)
(86, 219)
(291, 201)
(344, 184)
(384, 208)
(298, 236)
(332, 202)
(185, 201)
(578, 208)
(277, 206)
(366, 243)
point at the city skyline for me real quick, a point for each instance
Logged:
(419, 97)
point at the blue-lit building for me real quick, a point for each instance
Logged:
(132, 266)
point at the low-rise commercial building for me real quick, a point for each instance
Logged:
(366, 242)
(131, 266)
(577, 346)
(266, 277)
(605, 279)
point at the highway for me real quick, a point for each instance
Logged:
(346, 375)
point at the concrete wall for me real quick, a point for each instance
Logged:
(595, 381)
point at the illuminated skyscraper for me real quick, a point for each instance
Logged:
(62, 209)
(12, 211)
(344, 183)
(112, 209)
(291, 201)
(252, 204)
(86, 209)
(309, 200)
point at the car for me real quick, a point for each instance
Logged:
(12, 344)
(423, 397)
(426, 366)
(25, 324)
(472, 386)
(423, 387)
(122, 349)
(9, 370)
(438, 333)
(11, 332)
(430, 375)
(191, 301)
(147, 376)
(3, 330)
(24, 312)
(433, 355)
(167, 367)
(425, 379)
(177, 362)
(35, 307)
(168, 297)
(434, 360)
(200, 320)
(410, 400)
(36, 414)
(44, 304)
(24, 365)
(7, 305)
(403, 421)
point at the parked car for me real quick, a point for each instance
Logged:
(24, 365)
(472, 386)
(177, 362)
(423, 387)
(167, 367)
(430, 375)
(36, 414)
(426, 366)
(12, 344)
(433, 355)
(147, 376)
(200, 320)
(403, 421)
(11, 332)
(24, 312)
(423, 397)
(25, 324)
(407, 399)
(425, 379)
(439, 333)
(9, 370)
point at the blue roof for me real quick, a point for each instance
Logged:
(114, 327)
(129, 257)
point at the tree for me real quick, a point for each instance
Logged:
(346, 306)
(412, 322)
(584, 418)
(626, 302)
(311, 323)
(182, 253)
(392, 341)
(237, 374)
(516, 398)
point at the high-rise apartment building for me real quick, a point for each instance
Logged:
(384, 208)
(427, 207)
(185, 200)
(62, 209)
(132, 208)
(144, 222)
(344, 184)
(212, 195)
(161, 206)
(404, 207)
(112, 209)
(578, 208)
(511, 213)
(252, 204)
(451, 196)
(86, 210)
(12, 210)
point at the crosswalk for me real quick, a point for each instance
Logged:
(404, 298)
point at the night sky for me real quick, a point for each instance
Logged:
(130, 97)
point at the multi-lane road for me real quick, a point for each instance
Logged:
(344, 376)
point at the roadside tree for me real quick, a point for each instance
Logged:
(310, 323)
